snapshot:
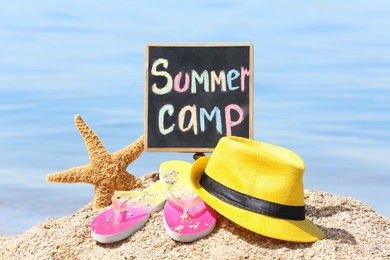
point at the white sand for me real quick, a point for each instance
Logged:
(353, 231)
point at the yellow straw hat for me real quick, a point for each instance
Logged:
(258, 186)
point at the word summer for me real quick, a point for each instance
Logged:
(209, 80)
(190, 114)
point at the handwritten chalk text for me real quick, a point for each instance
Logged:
(191, 114)
(209, 79)
(220, 117)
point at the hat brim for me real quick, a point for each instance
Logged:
(283, 229)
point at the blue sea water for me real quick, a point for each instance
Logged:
(321, 89)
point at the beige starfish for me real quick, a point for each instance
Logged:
(106, 171)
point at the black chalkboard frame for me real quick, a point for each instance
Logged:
(249, 119)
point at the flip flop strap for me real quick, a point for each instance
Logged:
(124, 194)
(184, 207)
(125, 206)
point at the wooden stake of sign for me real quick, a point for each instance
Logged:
(198, 155)
(197, 93)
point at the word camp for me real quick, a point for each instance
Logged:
(197, 116)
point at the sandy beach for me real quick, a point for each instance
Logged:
(353, 230)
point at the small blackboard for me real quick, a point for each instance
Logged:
(197, 93)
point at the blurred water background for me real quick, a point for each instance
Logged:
(321, 89)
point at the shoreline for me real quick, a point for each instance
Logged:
(352, 230)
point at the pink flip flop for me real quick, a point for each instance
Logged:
(124, 218)
(186, 217)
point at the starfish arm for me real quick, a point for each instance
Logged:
(127, 181)
(73, 175)
(130, 153)
(102, 195)
(96, 150)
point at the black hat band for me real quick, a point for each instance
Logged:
(250, 203)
